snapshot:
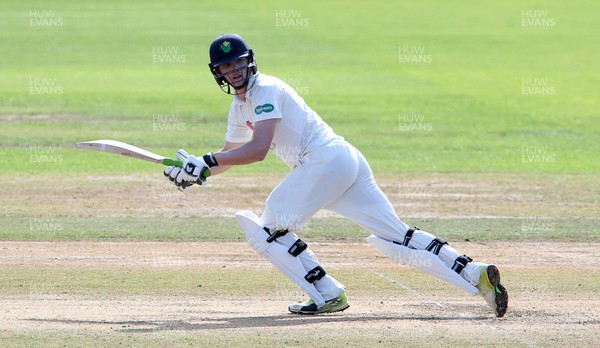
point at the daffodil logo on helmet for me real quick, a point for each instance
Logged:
(226, 46)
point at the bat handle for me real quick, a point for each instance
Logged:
(205, 173)
(175, 163)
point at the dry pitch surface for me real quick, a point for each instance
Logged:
(222, 294)
(553, 300)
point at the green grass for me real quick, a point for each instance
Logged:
(209, 282)
(220, 282)
(346, 61)
(48, 228)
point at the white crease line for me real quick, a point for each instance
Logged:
(415, 292)
(511, 336)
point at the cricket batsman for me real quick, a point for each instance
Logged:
(326, 172)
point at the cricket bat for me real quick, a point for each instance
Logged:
(124, 149)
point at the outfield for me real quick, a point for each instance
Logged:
(480, 123)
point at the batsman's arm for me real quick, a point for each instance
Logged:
(222, 168)
(253, 151)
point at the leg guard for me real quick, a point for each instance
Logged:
(282, 257)
(424, 260)
(461, 264)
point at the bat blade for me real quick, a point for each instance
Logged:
(123, 149)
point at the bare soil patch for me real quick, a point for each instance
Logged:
(558, 308)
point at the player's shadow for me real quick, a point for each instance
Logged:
(202, 324)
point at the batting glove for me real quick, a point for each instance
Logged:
(171, 173)
(191, 171)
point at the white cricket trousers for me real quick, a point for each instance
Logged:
(335, 177)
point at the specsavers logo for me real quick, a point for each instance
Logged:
(263, 108)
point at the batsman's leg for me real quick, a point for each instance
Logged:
(328, 287)
(327, 174)
(365, 204)
(292, 257)
(285, 259)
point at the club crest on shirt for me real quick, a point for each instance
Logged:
(249, 124)
(264, 108)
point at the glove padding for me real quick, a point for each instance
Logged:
(189, 174)
(171, 173)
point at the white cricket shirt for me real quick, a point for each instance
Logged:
(300, 130)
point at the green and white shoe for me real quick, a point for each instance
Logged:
(337, 304)
(492, 291)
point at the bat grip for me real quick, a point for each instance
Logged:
(175, 163)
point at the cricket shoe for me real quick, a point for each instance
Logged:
(337, 304)
(492, 291)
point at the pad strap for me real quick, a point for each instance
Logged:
(273, 236)
(297, 248)
(315, 274)
(460, 263)
(436, 245)
(408, 235)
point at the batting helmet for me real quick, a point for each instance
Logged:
(227, 48)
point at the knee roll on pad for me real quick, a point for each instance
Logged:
(258, 242)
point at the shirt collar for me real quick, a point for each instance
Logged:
(237, 100)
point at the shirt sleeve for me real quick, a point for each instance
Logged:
(267, 104)
(237, 130)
